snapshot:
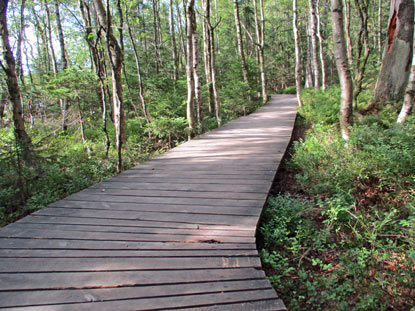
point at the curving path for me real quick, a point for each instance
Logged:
(173, 233)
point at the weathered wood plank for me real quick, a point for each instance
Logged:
(28, 298)
(47, 244)
(229, 220)
(98, 221)
(91, 197)
(162, 303)
(47, 233)
(111, 279)
(20, 265)
(111, 253)
(133, 230)
(116, 184)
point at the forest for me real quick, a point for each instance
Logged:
(92, 87)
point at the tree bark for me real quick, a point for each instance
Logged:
(189, 67)
(116, 60)
(320, 40)
(206, 53)
(297, 53)
(340, 53)
(98, 62)
(8, 63)
(52, 49)
(140, 81)
(196, 73)
(64, 102)
(397, 57)
(314, 48)
(157, 35)
(361, 61)
(240, 42)
(19, 67)
(380, 30)
(260, 34)
(408, 103)
(173, 41)
(212, 53)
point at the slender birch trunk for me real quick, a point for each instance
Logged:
(196, 73)
(297, 53)
(260, 34)
(206, 53)
(116, 60)
(189, 9)
(173, 41)
(320, 40)
(240, 42)
(340, 53)
(314, 48)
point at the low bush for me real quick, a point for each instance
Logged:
(351, 246)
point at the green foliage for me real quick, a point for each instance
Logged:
(321, 107)
(169, 129)
(351, 246)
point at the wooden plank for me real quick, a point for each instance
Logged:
(265, 305)
(62, 244)
(175, 194)
(111, 279)
(90, 197)
(28, 265)
(98, 221)
(22, 232)
(33, 298)
(167, 208)
(26, 224)
(162, 303)
(111, 253)
(116, 184)
(186, 180)
(240, 221)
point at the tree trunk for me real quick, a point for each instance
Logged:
(8, 64)
(3, 101)
(347, 17)
(196, 73)
(320, 40)
(361, 61)
(140, 81)
(397, 57)
(240, 42)
(116, 60)
(213, 74)
(98, 61)
(157, 36)
(260, 35)
(64, 60)
(380, 30)
(408, 103)
(173, 41)
(19, 67)
(206, 53)
(189, 66)
(340, 53)
(52, 49)
(314, 48)
(297, 53)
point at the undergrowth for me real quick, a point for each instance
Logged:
(350, 243)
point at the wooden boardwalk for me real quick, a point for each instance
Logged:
(174, 233)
